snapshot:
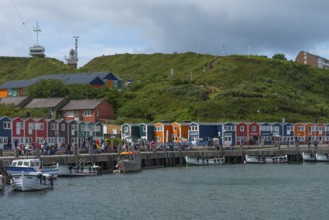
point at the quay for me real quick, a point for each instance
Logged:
(158, 159)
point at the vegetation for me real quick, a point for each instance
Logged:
(189, 86)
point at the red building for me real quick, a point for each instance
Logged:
(253, 133)
(242, 133)
(90, 110)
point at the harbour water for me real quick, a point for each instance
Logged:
(244, 191)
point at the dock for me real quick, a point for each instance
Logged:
(158, 159)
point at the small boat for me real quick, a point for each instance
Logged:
(204, 160)
(31, 181)
(128, 161)
(322, 157)
(269, 159)
(81, 168)
(307, 157)
(30, 166)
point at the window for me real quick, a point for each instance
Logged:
(241, 128)
(301, 128)
(61, 140)
(97, 128)
(290, 128)
(253, 128)
(193, 128)
(88, 113)
(83, 127)
(144, 128)
(229, 128)
(70, 114)
(62, 127)
(6, 125)
(54, 126)
(97, 113)
(39, 126)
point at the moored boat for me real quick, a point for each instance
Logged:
(31, 181)
(81, 168)
(322, 157)
(268, 159)
(128, 161)
(204, 160)
(307, 157)
(30, 166)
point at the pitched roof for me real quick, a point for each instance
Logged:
(16, 101)
(44, 103)
(84, 79)
(82, 104)
(18, 83)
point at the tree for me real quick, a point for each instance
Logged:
(279, 56)
(47, 88)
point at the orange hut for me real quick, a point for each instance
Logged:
(299, 132)
(162, 132)
(179, 132)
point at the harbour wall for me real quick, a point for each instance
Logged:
(174, 158)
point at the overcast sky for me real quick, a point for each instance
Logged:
(219, 27)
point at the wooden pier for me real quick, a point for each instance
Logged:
(174, 158)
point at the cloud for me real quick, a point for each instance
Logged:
(147, 26)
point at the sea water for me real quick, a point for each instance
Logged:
(245, 191)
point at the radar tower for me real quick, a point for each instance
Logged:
(72, 60)
(37, 50)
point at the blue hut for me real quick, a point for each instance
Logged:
(5, 133)
(201, 133)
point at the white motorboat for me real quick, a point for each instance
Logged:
(204, 160)
(268, 159)
(128, 161)
(307, 157)
(81, 168)
(30, 165)
(31, 181)
(322, 157)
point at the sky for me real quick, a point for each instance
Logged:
(218, 27)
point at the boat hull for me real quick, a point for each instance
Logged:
(129, 161)
(129, 166)
(266, 160)
(196, 161)
(322, 157)
(71, 171)
(307, 157)
(31, 182)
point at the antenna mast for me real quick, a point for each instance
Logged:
(72, 60)
(36, 50)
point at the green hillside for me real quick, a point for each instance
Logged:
(17, 68)
(209, 88)
(201, 88)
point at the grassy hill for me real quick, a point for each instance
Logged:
(202, 87)
(209, 88)
(17, 68)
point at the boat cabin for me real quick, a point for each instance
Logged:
(26, 163)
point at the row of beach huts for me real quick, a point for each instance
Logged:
(27, 131)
